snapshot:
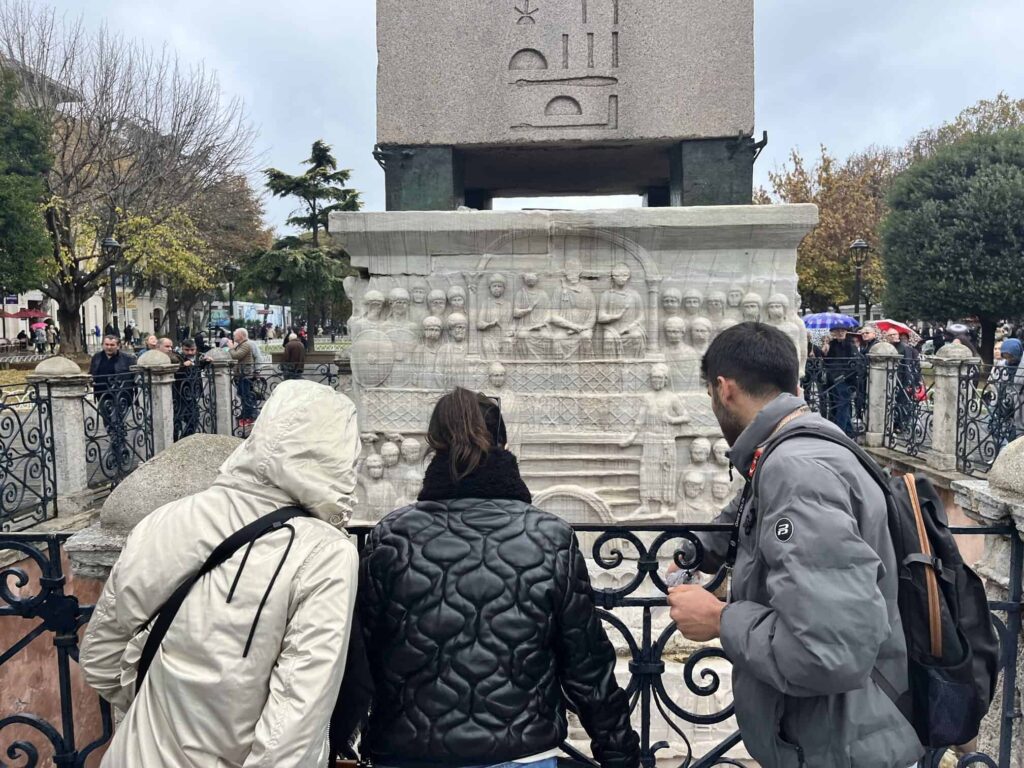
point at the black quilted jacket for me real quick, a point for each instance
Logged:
(478, 614)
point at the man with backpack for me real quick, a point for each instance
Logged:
(812, 625)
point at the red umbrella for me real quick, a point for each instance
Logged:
(901, 328)
(27, 314)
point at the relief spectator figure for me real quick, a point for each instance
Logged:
(734, 302)
(390, 454)
(751, 308)
(721, 489)
(418, 307)
(379, 493)
(497, 378)
(621, 317)
(662, 413)
(683, 361)
(532, 311)
(778, 311)
(573, 315)
(721, 451)
(373, 308)
(495, 320)
(692, 299)
(700, 335)
(424, 357)
(451, 358)
(696, 507)
(700, 452)
(437, 303)
(671, 306)
(714, 309)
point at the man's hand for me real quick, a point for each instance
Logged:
(696, 612)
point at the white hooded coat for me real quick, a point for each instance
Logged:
(202, 704)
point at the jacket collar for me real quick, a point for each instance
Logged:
(496, 478)
(760, 429)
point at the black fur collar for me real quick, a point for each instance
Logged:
(497, 478)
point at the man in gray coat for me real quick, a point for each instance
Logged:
(812, 610)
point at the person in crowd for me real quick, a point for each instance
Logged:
(97, 333)
(868, 338)
(841, 371)
(113, 387)
(152, 342)
(51, 337)
(129, 335)
(908, 379)
(812, 613)
(249, 671)
(188, 390)
(1007, 393)
(451, 625)
(294, 357)
(23, 338)
(110, 329)
(39, 339)
(243, 352)
(962, 334)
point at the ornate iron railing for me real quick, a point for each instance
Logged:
(990, 415)
(632, 606)
(250, 390)
(118, 416)
(837, 388)
(28, 484)
(194, 396)
(908, 408)
(38, 581)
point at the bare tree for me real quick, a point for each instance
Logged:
(135, 133)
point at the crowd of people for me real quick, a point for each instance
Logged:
(240, 626)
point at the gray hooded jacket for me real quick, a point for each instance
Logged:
(812, 606)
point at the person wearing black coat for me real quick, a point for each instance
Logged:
(479, 618)
(841, 368)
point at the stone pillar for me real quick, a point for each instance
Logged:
(161, 372)
(67, 386)
(878, 374)
(225, 391)
(653, 311)
(947, 364)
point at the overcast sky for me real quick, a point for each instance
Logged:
(844, 74)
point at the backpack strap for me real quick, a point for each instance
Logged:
(162, 619)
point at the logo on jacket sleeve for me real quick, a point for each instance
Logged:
(784, 529)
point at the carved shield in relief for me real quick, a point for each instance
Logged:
(373, 357)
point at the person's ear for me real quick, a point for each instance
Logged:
(727, 390)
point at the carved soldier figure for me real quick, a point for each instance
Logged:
(404, 334)
(373, 307)
(573, 315)
(661, 414)
(437, 303)
(683, 361)
(752, 308)
(621, 317)
(721, 489)
(700, 452)
(451, 358)
(495, 320)
(457, 300)
(532, 311)
(389, 454)
(714, 308)
(721, 451)
(379, 492)
(410, 471)
(424, 357)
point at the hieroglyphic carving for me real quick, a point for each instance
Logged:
(526, 13)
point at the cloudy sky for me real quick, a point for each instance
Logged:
(844, 74)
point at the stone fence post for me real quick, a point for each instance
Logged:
(161, 371)
(878, 395)
(224, 387)
(946, 366)
(68, 386)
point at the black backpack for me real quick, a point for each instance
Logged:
(952, 646)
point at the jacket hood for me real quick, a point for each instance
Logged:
(760, 429)
(302, 450)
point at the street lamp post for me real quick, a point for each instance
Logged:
(231, 272)
(110, 249)
(859, 252)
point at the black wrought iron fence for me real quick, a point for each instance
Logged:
(28, 479)
(678, 694)
(194, 396)
(908, 408)
(250, 389)
(41, 598)
(990, 415)
(118, 415)
(837, 388)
